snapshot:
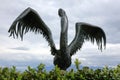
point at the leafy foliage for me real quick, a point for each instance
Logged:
(40, 73)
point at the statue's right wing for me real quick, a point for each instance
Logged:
(85, 31)
(29, 20)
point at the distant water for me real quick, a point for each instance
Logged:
(50, 67)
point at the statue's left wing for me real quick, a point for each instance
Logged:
(29, 20)
(85, 31)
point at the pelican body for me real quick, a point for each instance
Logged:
(29, 20)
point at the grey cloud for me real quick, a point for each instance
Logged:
(20, 48)
(104, 60)
(108, 14)
(22, 65)
(23, 60)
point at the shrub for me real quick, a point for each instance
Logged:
(40, 73)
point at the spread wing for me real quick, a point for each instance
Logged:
(84, 32)
(29, 20)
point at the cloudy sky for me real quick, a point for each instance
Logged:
(34, 49)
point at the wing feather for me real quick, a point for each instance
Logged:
(29, 20)
(85, 31)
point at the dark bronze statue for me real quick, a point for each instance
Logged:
(29, 20)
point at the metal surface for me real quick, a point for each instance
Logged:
(29, 20)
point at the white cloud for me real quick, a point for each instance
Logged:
(104, 13)
(93, 57)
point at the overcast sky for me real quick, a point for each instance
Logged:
(34, 49)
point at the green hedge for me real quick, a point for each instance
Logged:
(40, 73)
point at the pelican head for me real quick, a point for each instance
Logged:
(61, 12)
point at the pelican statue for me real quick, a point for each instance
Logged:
(29, 20)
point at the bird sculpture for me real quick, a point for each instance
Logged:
(29, 20)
